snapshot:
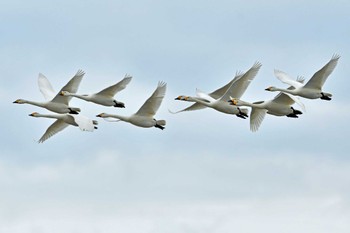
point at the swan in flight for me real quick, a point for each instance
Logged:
(144, 117)
(56, 102)
(279, 106)
(62, 121)
(313, 88)
(218, 99)
(104, 97)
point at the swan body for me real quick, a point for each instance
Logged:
(64, 120)
(313, 88)
(106, 96)
(219, 105)
(56, 103)
(281, 105)
(218, 99)
(144, 117)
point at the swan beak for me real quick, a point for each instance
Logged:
(33, 114)
(178, 98)
(16, 102)
(62, 93)
(99, 115)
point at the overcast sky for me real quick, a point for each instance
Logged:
(206, 172)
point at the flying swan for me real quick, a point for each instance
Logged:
(279, 106)
(313, 88)
(106, 96)
(62, 121)
(56, 103)
(144, 117)
(218, 99)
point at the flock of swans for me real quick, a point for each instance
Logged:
(226, 99)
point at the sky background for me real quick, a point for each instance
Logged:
(206, 172)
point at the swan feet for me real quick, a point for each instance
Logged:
(71, 111)
(159, 127)
(241, 114)
(324, 97)
(295, 113)
(119, 104)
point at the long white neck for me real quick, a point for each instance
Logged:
(83, 97)
(259, 104)
(119, 117)
(39, 104)
(54, 116)
(289, 91)
(198, 100)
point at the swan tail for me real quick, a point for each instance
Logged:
(161, 122)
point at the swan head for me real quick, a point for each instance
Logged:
(233, 101)
(64, 93)
(34, 114)
(271, 88)
(19, 101)
(101, 115)
(182, 97)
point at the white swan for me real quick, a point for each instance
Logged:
(56, 103)
(144, 117)
(313, 88)
(279, 106)
(218, 99)
(104, 97)
(62, 121)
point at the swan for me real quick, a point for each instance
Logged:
(278, 106)
(218, 99)
(144, 117)
(313, 88)
(56, 103)
(104, 97)
(62, 121)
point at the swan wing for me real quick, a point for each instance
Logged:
(320, 77)
(285, 78)
(114, 89)
(56, 127)
(287, 99)
(256, 118)
(45, 87)
(221, 91)
(241, 82)
(71, 87)
(152, 104)
(195, 106)
(84, 123)
(204, 96)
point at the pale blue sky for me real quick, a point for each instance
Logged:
(206, 172)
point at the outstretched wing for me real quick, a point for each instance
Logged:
(320, 77)
(241, 82)
(56, 127)
(195, 106)
(152, 104)
(45, 87)
(71, 87)
(256, 118)
(284, 77)
(114, 89)
(287, 99)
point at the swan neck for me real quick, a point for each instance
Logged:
(39, 104)
(54, 116)
(123, 118)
